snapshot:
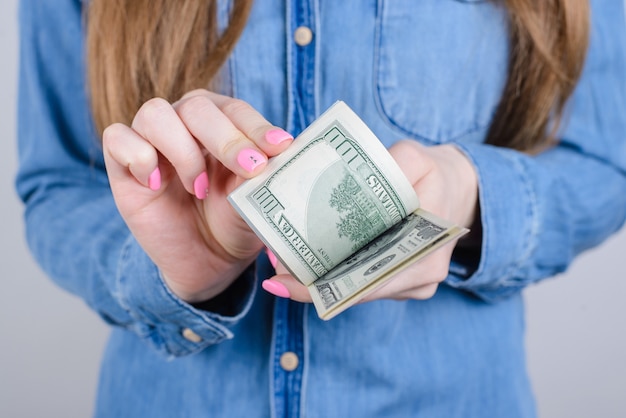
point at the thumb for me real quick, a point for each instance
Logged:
(285, 286)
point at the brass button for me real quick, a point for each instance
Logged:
(191, 336)
(303, 36)
(289, 361)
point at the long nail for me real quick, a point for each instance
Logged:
(201, 186)
(249, 159)
(276, 288)
(272, 257)
(276, 136)
(154, 181)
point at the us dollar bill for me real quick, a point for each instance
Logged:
(407, 242)
(334, 192)
(330, 193)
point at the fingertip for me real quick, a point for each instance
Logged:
(154, 180)
(249, 159)
(276, 288)
(285, 286)
(201, 186)
(277, 136)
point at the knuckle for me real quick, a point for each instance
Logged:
(195, 92)
(187, 160)
(440, 272)
(112, 133)
(145, 157)
(427, 291)
(230, 146)
(152, 110)
(436, 268)
(193, 106)
(259, 131)
(235, 107)
(404, 147)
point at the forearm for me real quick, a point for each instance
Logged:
(537, 214)
(78, 237)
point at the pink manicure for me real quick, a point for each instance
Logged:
(276, 136)
(272, 257)
(154, 181)
(276, 288)
(250, 159)
(201, 186)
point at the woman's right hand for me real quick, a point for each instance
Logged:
(170, 173)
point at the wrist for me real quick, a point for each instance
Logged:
(231, 302)
(464, 185)
(201, 289)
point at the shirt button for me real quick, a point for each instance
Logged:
(191, 336)
(289, 361)
(303, 36)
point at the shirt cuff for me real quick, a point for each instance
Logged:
(172, 326)
(508, 214)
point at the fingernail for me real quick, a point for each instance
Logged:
(276, 136)
(250, 159)
(272, 257)
(201, 185)
(154, 181)
(276, 288)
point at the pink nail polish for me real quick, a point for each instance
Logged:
(250, 159)
(276, 288)
(201, 186)
(276, 136)
(154, 181)
(272, 257)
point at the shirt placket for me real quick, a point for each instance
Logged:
(288, 352)
(288, 357)
(302, 47)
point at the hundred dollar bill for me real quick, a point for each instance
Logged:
(372, 266)
(330, 193)
(336, 190)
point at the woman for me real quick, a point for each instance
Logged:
(467, 96)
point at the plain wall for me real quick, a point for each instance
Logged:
(51, 343)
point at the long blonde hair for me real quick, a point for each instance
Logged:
(139, 49)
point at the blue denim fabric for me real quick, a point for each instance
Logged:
(431, 71)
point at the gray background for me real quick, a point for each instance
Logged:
(51, 343)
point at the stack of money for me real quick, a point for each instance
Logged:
(338, 212)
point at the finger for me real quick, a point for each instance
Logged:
(402, 292)
(423, 292)
(285, 286)
(271, 257)
(271, 139)
(419, 280)
(159, 124)
(127, 154)
(217, 133)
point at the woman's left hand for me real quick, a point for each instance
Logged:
(446, 183)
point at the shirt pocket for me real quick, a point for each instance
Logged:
(440, 66)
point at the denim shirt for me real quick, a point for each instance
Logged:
(430, 70)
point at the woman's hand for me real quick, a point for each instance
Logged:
(447, 185)
(170, 173)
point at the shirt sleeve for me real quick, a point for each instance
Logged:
(72, 224)
(539, 212)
